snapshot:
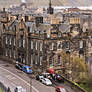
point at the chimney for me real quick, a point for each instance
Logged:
(3, 9)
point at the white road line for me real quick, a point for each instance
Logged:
(21, 79)
(13, 84)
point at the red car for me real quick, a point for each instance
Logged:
(60, 89)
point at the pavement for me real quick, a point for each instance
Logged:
(13, 77)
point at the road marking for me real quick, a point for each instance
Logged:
(13, 84)
(20, 79)
(10, 77)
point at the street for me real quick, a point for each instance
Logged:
(13, 77)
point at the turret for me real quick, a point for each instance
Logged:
(50, 10)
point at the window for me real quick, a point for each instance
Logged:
(36, 59)
(40, 60)
(23, 43)
(14, 41)
(41, 46)
(31, 60)
(31, 44)
(51, 46)
(59, 35)
(6, 52)
(28, 29)
(59, 45)
(10, 54)
(36, 45)
(67, 45)
(10, 41)
(19, 43)
(6, 40)
(51, 61)
(14, 54)
(23, 60)
(81, 44)
(59, 60)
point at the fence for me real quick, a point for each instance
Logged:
(3, 88)
(73, 85)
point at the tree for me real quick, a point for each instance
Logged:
(78, 67)
(1, 48)
(75, 66)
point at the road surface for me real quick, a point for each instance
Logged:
(13, 77)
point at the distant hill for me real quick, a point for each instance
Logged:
(7, 3)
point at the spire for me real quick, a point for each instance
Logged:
(50, 3)
(50, 10)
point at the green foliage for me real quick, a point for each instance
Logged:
(78, 67)
(86, 82)
(1, 90)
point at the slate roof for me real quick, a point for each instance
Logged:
(64, 28)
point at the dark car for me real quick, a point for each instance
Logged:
(18, 66)
(59, 78)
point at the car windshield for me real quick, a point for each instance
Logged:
(47, 80)
(41, 76)
(62, 90)
(29, 68)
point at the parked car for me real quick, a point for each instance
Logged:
(18, 66)
(39, 77)
(27, 69)
(19, 89)
(46, 81)
(59, 78)
(60, 89)
(47, 75)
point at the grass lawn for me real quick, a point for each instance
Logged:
(1, 90)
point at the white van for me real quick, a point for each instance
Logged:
(19, 89)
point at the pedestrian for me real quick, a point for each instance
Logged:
(8, 90)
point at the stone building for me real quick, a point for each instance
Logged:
(40, 44)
